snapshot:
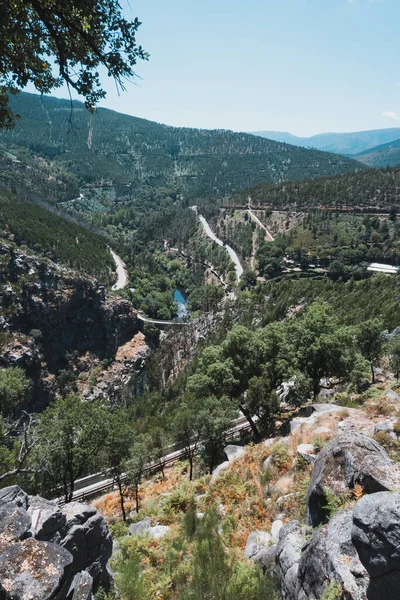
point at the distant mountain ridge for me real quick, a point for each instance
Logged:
(385, 155)
(338, 143)
(127, 151)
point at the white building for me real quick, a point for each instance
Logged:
(380, 268)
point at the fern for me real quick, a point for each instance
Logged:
(333, 591)
(334, 502)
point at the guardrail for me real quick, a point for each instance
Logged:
(83, 493)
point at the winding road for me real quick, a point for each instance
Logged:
(234, 257)
(122, 275)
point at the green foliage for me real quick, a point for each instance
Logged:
(13, 384)
(214, 575)
(334, 502)
(129, 579)
(333, 591)
(56, 43)
(40, 230)
(71, 435)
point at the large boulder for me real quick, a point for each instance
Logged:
(47, 550)
(257, 540)
(348, 459)
(288, 554)
(376, 535)
(48, 521)
(32, 570)
(329, 556)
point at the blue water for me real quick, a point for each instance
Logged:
(181, 305)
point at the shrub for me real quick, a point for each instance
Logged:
(333, 591)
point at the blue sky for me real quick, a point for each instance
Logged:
(304, 66)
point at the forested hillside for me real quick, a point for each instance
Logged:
(369, 188)
(53, 236)
(381, 156)
(112, 148)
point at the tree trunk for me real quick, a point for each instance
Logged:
(251, 422)
(137, 497)
(190, 467)
(373, 374)
(121, 497)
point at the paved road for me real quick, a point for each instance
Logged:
(230, 251)
(122, 276)
(97, 483)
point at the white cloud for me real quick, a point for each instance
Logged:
(391, 114)
(397, 84)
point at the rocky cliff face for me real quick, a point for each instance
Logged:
(48, 552)
(52, 320)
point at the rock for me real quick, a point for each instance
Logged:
(48, 521)
(89, 542)
(329, 556)
(322, 431)
(233, 452)
(158, 531)
(346, 460)
(218, 470)
(141, 527)
(392, 396)
(386, 426)
(275, 529)
(307, 451)
(265, 559)
(77, 513)
(376, 535)
(267, 463)
(13, 493)
(32, 569)
(324, 409)
(257, 541)
(286, 497)
(199, 515)
(288, 554)
(14, 521)
(81, 587)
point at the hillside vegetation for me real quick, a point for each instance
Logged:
(49, 234)
(385, 155)
(118, 149)
(376, 189)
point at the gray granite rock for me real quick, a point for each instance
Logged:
(141, 527)
(348, 459)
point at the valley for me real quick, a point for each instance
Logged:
(174, 297)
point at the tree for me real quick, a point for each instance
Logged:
(394, 356)
(321, 344)
(118, 440)
(140, 457)
(13, 384)
(214, 417)
(185, 427)
(370, 342)
(71, 436)
(51, 42)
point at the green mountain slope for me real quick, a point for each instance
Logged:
(385, 155)
(109, 148)
(371, 188)
(53, 236)
(341, 143)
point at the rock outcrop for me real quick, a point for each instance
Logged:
(346, 460)
(376, 535)
(358, 548)
(54, 319)
(48, 552)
